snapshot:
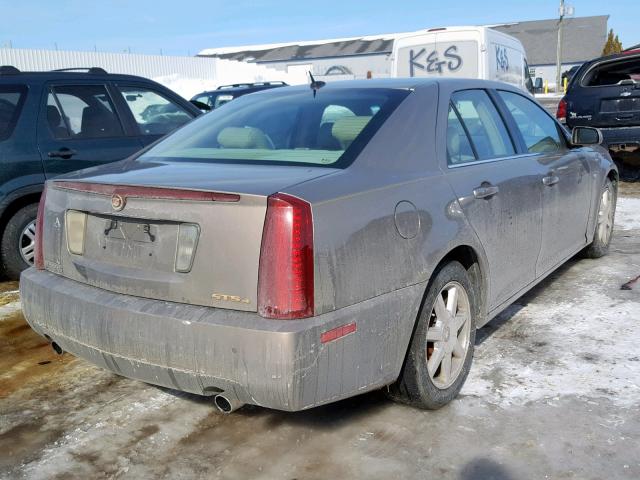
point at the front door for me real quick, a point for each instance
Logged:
(79, 127)
(566, 184)
(498, 189)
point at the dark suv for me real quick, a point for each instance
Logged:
(605, 93)
(60, 121)
(226, 93)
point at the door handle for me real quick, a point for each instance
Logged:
(485, 192)
(550, 180)
(624, 116)
(64, 152)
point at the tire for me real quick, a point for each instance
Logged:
(13, 262)
(604, 222)
(416, 385)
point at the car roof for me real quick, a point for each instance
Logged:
(408, 83)
(240, 88)
(38, 77)
(632, 54)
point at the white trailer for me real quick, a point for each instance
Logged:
(464, 52)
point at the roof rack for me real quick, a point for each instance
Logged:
(8, 70)
(254, 84)
(96, 70)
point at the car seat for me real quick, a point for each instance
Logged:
(55, 122)
(98, 122)
(346, 129)
(243, 137)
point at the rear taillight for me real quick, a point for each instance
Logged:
(561, 113)
(285, 281)
(39, 253)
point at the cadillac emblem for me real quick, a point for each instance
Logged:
(117, 202)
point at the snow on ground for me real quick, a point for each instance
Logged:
(628, 213)
(557, 349)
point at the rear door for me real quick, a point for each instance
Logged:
(80, 127)
(155, 113)
(566, 183)
(498, 188)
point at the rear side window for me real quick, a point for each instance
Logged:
(11, 100)
(459, 149)
(221, 99)
(488, 134)
(539, 131)
(154, 113)
(81, 111)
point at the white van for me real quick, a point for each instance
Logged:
(464, 52)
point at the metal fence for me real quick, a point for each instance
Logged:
(185, 75)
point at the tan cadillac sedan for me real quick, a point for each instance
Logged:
(299, 246)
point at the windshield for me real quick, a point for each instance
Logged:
(284, 127)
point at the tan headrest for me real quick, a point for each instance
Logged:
(243, 137)
(346, 129)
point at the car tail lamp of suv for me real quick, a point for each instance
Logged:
(285, 280)
(38, 250)
(561, 113)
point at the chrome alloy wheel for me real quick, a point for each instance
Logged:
(605, 217)
(28, 242)
(448, 335)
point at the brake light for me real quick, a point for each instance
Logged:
(561, 113)
(39, 253)
(285, 278)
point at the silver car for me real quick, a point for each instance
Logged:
(296, 247)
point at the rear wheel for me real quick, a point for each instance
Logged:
(441, 351)
(604, 223)
(17, 248)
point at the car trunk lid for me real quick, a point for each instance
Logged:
(133, 236)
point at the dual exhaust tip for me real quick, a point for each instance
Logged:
(224, 402)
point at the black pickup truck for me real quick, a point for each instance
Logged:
(605, 93)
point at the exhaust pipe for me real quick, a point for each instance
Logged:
(226, 402)
(56, 348)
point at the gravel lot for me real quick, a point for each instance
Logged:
(554, 393)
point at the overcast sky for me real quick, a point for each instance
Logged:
(188, 26)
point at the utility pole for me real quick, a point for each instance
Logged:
(559, 49)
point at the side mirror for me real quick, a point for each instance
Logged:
(586, 136)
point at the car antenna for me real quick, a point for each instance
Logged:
(315, 84)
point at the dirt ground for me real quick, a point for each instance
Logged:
(553, 393)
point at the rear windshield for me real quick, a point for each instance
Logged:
(618, 72)
(11, 99)
(281, 126)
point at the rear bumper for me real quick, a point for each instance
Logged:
(620, 135)
(278, 364)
